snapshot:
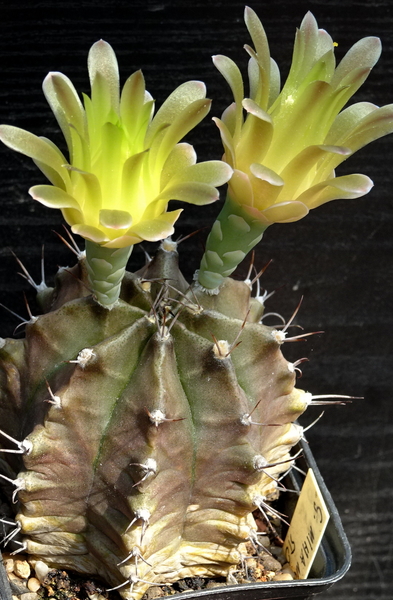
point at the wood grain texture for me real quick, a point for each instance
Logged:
(339, 257)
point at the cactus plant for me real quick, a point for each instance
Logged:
(145, 418)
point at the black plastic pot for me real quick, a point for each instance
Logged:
(330, 565)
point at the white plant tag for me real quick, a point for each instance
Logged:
(307, 528)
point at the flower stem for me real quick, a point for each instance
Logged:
(233, 235)
(106, 268)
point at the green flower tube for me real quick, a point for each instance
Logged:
(234, 228)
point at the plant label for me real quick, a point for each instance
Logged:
(307, 527)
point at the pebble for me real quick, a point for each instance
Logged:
(41, 570)
(270, 563)
(154, 592)
(8, 562)
(213, 584)
(251, 563)
(33, 584)
(22, 569)
(264, 540)
(287, 569)
(278, 553)
(29, 596)
(282, 577)
(17, 584)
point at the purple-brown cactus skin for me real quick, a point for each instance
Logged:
(150, 430)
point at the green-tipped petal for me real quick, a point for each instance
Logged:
(347, 120)
(36, 148)
(181, 98)
(230, 71)
(181, 125)
(304, 51)
(275, 82)
(51, 174)
(65, 104)
(131, 103)
(180, 158)
(299, 168)
(104, 73)
(261, 44)
(363, 55)
(253, 77)
(373, 126)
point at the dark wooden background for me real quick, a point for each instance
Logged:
(339, 257)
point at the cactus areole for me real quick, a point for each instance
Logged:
(144, 419)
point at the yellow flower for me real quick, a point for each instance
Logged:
(124, 164)
(286, 149)
(284, 153)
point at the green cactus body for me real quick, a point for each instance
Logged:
(145, 465)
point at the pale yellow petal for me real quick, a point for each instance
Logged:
(347, 186)
(158, 229)
(53, 197)
(308, 165)
(124, 241)
(213, 172)
(227, 142)
(265, 174)
(192, 192)
(286, 212)
(90, 233)
(115, 219)
(240, 188)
